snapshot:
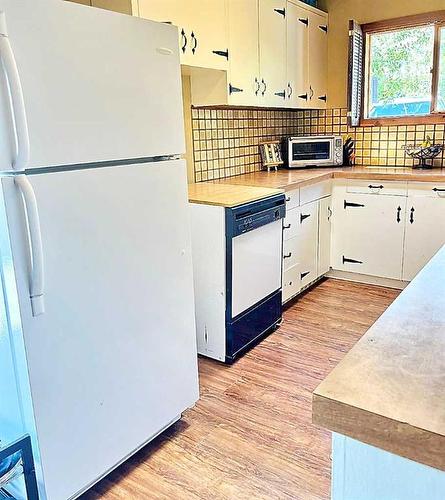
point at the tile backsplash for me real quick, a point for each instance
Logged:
(225, 141)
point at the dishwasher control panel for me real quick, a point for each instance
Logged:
(253, 215)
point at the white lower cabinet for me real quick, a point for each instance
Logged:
(368, 234)
(306, 247)
(425, 227)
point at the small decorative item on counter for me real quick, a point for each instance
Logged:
(271, 154)
(423, 152)
(348, 152)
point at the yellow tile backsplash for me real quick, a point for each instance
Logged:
(225, 141)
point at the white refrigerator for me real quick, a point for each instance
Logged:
(97, 328)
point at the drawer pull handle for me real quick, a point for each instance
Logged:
(350, 204)
(375, 187)
(329, 213)
(304, 216)
(399, 210)
(439, 190)
(287, 227)
(303, 275)
(351, 261)
(287, 198)
(287, 255)
(411, 215)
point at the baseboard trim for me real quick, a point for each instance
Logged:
(366, 279)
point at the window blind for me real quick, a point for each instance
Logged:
(355, 73)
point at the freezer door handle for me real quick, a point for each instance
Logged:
(18, 103)
(36, 285)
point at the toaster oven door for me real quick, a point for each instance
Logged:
(316, 152)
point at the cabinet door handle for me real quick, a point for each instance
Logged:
(184, 40)
(329, 213)
(287, 226)
(289, 90)
(438, 190)
(303, 275)
(350, 204)
(222, 53)
(257, 86)
(281, 94)
(195, 42)
(265, 87)
(351, 261)
(233, 89)
(411, 215)
(399, 210)
(311, 93)
(287, 198)
(375, 187)
(304, 20)
(304, 216)
(287, 255)
(303, 96)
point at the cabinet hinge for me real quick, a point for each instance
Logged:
(304, 20)
(323, 27)
(222, 53)
(304, 216)
(281, 12)
(233, 89)
(322, 97)
(280, 94)
(351, 261)
(303, 275)
(350, 204)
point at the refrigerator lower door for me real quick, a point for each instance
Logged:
(97, 85)
(112, 361)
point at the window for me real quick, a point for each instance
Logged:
(397, 70)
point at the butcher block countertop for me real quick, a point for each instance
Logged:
(389, 390)
(292, 179)
(227, 195)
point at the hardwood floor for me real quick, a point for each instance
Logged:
(250, 436)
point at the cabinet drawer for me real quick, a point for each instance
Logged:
(377, 187)
(291, 223)
(315, 191)
(290, 252)
(428, 189)
(292, 199)
(291, 282)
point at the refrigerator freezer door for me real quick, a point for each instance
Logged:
(112, 361)
(97, 85)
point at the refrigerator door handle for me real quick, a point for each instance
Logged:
(36, 285)
(18, 103)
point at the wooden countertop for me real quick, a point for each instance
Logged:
(227, 195)
(291, 179)
(389, 390)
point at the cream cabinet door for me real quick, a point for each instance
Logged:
(208, 35)
(424, 234)
(307, 249)
(244, 83)
(203, 37)
(324, 235)
(318, 60)
(297, 57)
(272, 44)
(368, 234)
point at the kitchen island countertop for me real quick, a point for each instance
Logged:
(389, 390)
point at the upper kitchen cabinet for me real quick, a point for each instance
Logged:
(203, 34)
(297, 57)
(272, 47)
(244, 85)
(317, 59)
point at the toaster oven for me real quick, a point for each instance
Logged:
(313, 151)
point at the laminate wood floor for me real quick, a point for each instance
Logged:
(250, 436)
